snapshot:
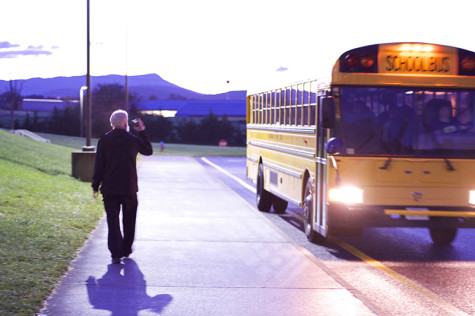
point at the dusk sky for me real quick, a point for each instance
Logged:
(201, 45)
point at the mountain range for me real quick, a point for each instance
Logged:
(145, 86)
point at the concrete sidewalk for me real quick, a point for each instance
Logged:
(199, 250)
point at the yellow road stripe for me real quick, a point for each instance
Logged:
(413, 285)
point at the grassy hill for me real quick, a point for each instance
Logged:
(45, 217)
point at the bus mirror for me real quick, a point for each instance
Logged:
(333, 145)
(328, 112)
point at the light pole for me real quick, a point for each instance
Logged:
(82, 162)
(126, 77)
(81, 114)
(88, 146)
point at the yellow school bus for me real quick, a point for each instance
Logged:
(387, 140)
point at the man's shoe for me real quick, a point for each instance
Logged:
(116, 260)
(127, 253)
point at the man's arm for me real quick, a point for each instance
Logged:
(145, 147)
(98, 169)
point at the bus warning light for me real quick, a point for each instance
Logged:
(351, 60)
(367, 61)
(468, 63)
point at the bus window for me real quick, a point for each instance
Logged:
(409, 122)
(271, 108)
(313, 105)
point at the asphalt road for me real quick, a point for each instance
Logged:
(397, 271)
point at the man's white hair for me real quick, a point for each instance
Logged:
(117, 118)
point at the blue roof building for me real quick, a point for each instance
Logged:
(230, 108)
(233, 109)
(166, 108)
(45, 105)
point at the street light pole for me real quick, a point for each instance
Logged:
(88, 146)
(126, 66)
(82, 162)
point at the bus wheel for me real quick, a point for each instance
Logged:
(279, 205)
(443, 236)
(263, 197)
(308, 213)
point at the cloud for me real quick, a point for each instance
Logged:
(14, 53)
(17, 53)
(282, 69)
(35, 48)
(8, 45)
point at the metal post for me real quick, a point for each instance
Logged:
(12, 106)
(88, 84)
(126, 77)
(81, 111)
(82, 162)
(126, 93)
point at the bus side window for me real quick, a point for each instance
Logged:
(313, 102)
(299, 115)
(312, 115)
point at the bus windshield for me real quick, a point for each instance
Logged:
(406, 122)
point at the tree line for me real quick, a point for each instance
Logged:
(208, 130)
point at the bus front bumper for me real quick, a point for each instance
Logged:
(341, 216)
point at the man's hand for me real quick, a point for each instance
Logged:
(95, 194)
(140, 127)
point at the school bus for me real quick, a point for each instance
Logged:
(387, 140)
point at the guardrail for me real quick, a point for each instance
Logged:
(27, 133)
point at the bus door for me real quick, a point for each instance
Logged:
(320, 181)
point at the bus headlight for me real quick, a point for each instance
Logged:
(471, 198)
(347, 195)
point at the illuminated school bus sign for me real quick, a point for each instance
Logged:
(415, 64)
(418, 59)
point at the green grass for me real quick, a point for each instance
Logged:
(170, 149)
(68, 141)
(49, 158)
(45, 217)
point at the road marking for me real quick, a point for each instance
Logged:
(437, 300)
(413, 285)
(241, 182)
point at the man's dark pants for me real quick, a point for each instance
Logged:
(121, 246)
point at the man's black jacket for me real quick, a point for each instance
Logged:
(115, 165)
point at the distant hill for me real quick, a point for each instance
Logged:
(144, 86)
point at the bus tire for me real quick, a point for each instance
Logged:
(263, 197)
(279, 205)
(308, 213)
(442, 236)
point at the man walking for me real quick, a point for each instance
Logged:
(115, 172)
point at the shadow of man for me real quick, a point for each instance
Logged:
(124, 294)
